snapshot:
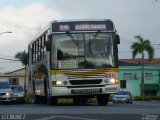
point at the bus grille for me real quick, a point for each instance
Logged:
(85, 82)
(86, 91)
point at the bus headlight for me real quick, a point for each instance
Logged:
(8, 94)
(39, 91)
(114, 80)
(58, 83)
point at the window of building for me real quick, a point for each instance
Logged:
(13, 81)
(135, 76)
(148, 76)
(127, 76)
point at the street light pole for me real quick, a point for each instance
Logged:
(6, 32)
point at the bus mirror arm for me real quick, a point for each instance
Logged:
(117, 39)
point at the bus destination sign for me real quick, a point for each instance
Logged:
(90, 27)
(82, 26)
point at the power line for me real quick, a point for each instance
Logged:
(9, 59)
(9, 45)
(6, 56)
(124, 51)
(9, 62)
(130, 51)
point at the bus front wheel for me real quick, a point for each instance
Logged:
(52, 101)
(36, 99)
(102, 100)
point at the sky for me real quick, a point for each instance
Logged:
(25, 18)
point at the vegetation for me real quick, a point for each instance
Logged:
(23, 57)
(29, 98)
(140, 47)
(146, 98)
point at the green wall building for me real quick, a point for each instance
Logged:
(130, 76)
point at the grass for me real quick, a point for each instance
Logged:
(146, 98)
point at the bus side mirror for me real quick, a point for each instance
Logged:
(48, 45)
(117, 39)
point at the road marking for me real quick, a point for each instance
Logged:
(67, 117)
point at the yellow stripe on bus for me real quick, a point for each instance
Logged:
(87, 73)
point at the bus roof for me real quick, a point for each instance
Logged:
(84, 25)
(78, 20)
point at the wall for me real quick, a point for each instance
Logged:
(134, 84)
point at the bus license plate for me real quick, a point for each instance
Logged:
(111, 90)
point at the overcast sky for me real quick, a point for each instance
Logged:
(25, 18)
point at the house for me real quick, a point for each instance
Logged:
(130, 76)
(16, 77)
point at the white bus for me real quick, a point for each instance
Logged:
(74, 59)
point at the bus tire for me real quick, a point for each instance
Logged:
(76, 101)
(52, 101)
(102, 100)
(44, 100)
(36, 99)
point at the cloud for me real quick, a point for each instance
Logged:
(130, 18)
(25, 23)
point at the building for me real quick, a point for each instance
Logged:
(16, 77)
(130, 76)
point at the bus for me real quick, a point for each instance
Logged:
(74, 59)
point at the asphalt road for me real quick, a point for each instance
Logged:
(136, 111)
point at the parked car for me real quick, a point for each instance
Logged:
(5, 91)
(123, 97)
(18, 94)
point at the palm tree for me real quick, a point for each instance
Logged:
(140, 47)
(23, 57)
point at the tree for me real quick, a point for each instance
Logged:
(140, 47)
(23, 57)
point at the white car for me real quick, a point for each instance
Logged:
(18, 94)
(5, 91)
(123, 97)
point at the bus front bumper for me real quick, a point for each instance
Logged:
(65, 91)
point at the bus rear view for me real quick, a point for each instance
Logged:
(77, 59)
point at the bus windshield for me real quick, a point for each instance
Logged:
(82, 50)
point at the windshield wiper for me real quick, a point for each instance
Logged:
(94, 37)
(76, 42)
(90, 40)
(73, 40)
